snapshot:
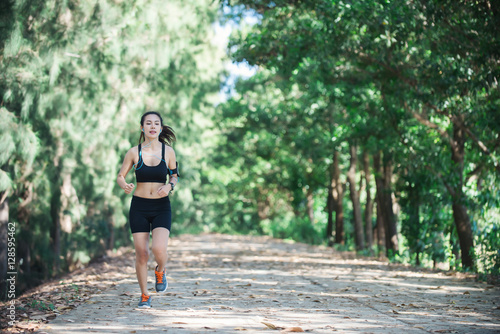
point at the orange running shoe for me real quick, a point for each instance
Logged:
(145, 301)
(161, 280)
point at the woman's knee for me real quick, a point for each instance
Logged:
(159, 249)
(142, 255)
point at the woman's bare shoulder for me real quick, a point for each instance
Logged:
(133, 151)
(169, 149)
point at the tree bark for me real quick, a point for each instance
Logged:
(354, 194)
(330, 203)
(391, 227)
(414, 220)
(55, 231)
(334, 204)
(385, 213)
(460, 215)
(56, 205)
(369, 203)
(380, 227)
(338, 199)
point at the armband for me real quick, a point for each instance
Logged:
(175, 170)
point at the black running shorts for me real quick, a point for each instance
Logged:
(146, 214)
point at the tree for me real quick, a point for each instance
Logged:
(414, 62)
(76, 78)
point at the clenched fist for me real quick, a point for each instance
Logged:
(128, 188)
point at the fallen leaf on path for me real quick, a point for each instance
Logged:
(269, 325)
(24, 325)
(179, 323)
(466, 293)
(62, 308)
(240, 329)
(40, 317)
(200, 292)
(293, 329)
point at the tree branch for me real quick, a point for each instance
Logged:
(431, 125)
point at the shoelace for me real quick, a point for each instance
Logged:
(159, 276)
(145, 298)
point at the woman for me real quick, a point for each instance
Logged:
(153, 159)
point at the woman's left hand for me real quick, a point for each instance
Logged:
(163, 191)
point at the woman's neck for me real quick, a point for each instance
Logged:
(153, 144)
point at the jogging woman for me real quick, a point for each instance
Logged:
(156, 175)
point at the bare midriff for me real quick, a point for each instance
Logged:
(148, 189)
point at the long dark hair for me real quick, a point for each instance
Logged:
(167, 135)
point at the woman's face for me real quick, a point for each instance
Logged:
(152, 126)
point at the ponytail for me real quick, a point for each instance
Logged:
(167, 135)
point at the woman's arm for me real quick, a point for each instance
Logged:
(128, 162)
(170, 157)
(172, 165)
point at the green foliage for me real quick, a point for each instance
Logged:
(489, 252)
(41, 305)
(414, 80)
(76, 77)
(300, 230)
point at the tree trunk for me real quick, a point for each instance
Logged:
(369, 203)
(391, 227)
(380, 228)
(338, 199)
(55, 231)
(354, 194)
(55, 205)
(330, 203)
(415, 227)
(4, 222)
(385, 214)
(460, 215)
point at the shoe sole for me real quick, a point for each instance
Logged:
(143, 306)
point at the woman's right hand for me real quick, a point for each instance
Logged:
(128, 188)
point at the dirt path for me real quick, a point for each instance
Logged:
(227, 284)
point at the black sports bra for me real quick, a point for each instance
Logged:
(158, 173)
